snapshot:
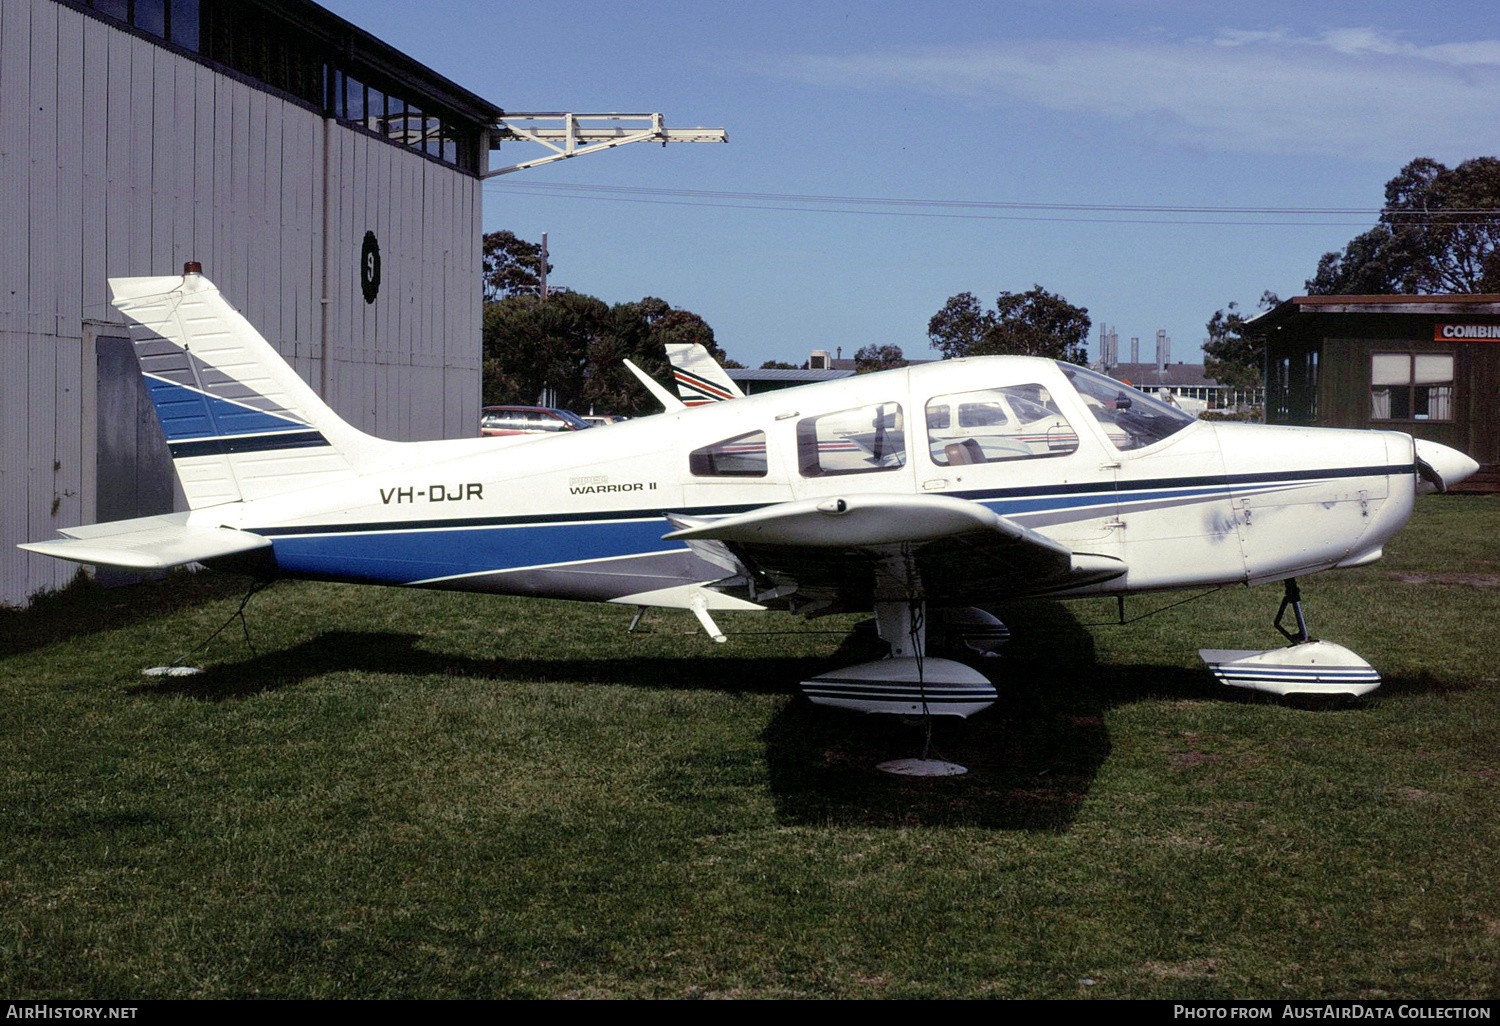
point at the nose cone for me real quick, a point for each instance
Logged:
(1439, 467)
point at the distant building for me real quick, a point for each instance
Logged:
(753, 382)
(1173, 375)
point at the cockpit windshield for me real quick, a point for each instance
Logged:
(1131, 418)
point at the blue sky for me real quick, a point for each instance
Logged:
(1021, 141)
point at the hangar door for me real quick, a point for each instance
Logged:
(134, 466)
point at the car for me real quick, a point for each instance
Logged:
(602, 419)
(528, 420)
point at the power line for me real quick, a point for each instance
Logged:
(971, 209)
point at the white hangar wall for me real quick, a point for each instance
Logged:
(121, 158)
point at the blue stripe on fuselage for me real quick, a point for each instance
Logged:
(404, 556)
(416, 550)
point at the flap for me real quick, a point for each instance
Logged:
(960, 550)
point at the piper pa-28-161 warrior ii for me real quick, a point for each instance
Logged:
(866, 493)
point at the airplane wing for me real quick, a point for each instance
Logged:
(149, 543)
(945, 549)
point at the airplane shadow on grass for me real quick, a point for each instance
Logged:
(1032, 757)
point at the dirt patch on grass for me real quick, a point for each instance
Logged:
(1470, 580)
(1186, 760)
(1194, 969)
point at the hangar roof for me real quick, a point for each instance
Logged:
(1472, 304)
(309, 55)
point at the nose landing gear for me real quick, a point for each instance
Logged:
(1306, 667)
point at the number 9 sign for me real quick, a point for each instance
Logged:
(369, 267)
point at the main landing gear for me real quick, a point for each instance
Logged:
(1305, 667)
(908, 682)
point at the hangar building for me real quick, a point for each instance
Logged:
(327, 183)
(1425, 365)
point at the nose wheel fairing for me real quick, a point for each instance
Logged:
(1310, 668)
(1307, 666)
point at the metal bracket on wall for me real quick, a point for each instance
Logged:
(573, 135)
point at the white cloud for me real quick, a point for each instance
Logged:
(1354, 92)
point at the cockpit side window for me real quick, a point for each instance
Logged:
(1131, 418)
(859, 441)
(740, 456)
(1015, 422)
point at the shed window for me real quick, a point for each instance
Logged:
(1411, 386)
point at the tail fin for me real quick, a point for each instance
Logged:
(700, 379)
(238, 420)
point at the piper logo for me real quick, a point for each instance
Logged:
(599, 485)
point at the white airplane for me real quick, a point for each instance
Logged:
(762, 503)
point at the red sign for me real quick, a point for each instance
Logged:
(1466, 332)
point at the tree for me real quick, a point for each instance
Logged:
(1031, 323)
(878, 358)
(574, 345)
(512, 266)
(778, 365)
(1231, 357)
(668, 324)
(1439, 232)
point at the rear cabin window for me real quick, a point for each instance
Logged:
(1016, 422)
(740, 456)
(859, 441)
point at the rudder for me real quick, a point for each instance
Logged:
(239, 421)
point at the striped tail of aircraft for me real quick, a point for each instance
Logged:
(700, 379)
(239, 422)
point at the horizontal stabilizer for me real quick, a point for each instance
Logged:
(149, 543)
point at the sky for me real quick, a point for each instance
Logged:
(1150, 160)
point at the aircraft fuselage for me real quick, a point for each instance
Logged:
(580, 515)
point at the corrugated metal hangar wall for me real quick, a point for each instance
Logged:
(119, 157)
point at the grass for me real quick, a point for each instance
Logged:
(411, 794)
